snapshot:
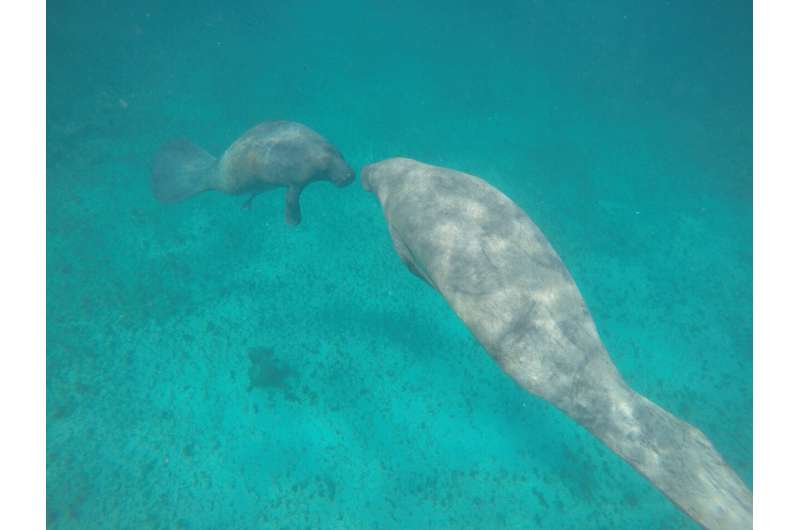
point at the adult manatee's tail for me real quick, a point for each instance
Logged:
(674, 455)
(182, 169)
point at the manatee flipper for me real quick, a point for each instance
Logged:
(292, 205)
(182, 169)
(406, 256)
(249, 202)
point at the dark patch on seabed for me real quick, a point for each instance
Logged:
(268, 372)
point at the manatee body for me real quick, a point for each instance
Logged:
(270, 155)
(499, 273)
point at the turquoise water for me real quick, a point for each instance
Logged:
(209, 367)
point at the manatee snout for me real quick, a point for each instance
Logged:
(340, 172)
(366, 177)
(373, 176)
(346, 177)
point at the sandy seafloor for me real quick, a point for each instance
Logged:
(623, 129)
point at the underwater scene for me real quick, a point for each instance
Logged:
(401, 346)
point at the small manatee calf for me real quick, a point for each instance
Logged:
(500, 275)
(272, 154)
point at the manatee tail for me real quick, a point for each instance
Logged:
(182, 169)
(673, 455)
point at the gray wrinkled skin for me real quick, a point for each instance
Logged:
(500, 275)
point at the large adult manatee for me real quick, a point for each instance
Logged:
(500, 275)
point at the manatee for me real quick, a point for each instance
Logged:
(272, 154)
(498, 272)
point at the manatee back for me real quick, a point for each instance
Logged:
(495, 268)
(274, 153)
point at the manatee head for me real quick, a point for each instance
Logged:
(339, 172)
(367, 173)
(381, 177)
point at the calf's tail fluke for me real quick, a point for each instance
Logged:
(182, 169)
